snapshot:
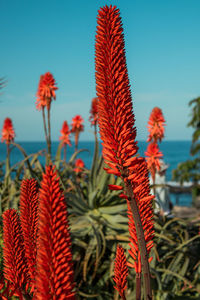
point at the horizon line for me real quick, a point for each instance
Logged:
(53, 141)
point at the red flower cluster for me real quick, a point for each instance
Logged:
(29, 222)
(153, 156)
(120, 271)
(46, 91)
(77, 124)
(144, 202)
(79, 165)
(156, 125)
(156, 130)
(8, 133)
(116, 123)
(15, 264)
(94, 111)
(54, 278)
(65, 132)
(77, 127)
(37, 246)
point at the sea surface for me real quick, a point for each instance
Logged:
(174, 152)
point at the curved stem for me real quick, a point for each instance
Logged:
(76, 140)
(65, 152)
(123, 296)
(7, 158)
(45, 128)
(141, 242)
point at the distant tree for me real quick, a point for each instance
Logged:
(195, 123)
(190, 169)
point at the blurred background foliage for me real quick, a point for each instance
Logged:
(189, 170)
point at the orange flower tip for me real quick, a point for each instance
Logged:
(137, 189)
(115, 187)
(123, 196)
(110, 171)
(150, 259)
(79, 165)
(130, 265)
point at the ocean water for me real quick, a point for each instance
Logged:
(174, 152)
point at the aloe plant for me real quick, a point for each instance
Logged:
(98, 218)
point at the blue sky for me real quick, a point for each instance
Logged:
(163, 58)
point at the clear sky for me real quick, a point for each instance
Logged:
(162, 41)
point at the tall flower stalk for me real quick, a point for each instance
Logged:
(29, 223)
(64, 138)
(77, 127)
(156, 131)
(117, 130)
(37, 244)
(45, 95)
(8, 135)
(54, 277)
(15, 264)
(120, 272)
(94, 114)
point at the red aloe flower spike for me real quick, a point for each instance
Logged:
(64, 138)
(54, 277)
(94, 112)
(40, 101)
(79, 165)
(65, 132)
(77, 127)
(45, 94)
(116, 122)
(29, 220)
(8, 133)
(156, 125)
(144, 201)
(152, 157)
(120, 271)
(46, 91)
(15, 265)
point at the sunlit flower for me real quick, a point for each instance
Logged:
(54, 275)
(79, 165)
(144, 201)
(15, 264)
(40, 101)
(156, 125)
(120, 271)
(94, 111)
(8, 133)
(77, 124)
(65, 132)
(77, 127)
(153, 156)
(117, 130)
(29, 222)
(46, 91)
